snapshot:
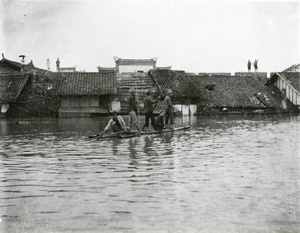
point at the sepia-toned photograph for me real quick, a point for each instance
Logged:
(149, 116)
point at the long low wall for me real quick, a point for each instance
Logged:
(261, 77)
(81, 112)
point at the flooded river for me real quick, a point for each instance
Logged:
(225, 174)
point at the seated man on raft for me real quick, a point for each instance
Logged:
(116, 125)
(159, 122)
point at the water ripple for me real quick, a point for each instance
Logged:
(223, 175)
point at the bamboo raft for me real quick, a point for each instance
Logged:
(135, 133)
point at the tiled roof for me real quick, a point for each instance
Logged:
(18, 66)
(228, 91)
(178, 81)
(277, 94)
(293, 68)
(11, 86)
(84, 83)
(234, 91)
(293, 78)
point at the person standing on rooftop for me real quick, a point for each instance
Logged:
(249, 65)
(255, 65)
(57, 64)
(48, 64)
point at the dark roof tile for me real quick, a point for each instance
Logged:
(228, 91)
(293, 78)
(11, 86)
(85, 83)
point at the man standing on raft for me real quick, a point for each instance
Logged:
(148, 105)
(169, 109)
(133, 110)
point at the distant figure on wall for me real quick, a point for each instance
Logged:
(255, 65)
(48, 64)
(57, 64)
(249, 65)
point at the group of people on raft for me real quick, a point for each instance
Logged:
(117, 124)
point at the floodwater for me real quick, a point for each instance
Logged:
(225, 174)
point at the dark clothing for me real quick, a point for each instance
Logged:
(168, 103)
(169, 115)
(255, 65)
(149, 115)
(169, 110)
(132, 104)
(116, 124)
(159, 123)
(116, 128)
(57, 64)
(249, 65)
(148, 106)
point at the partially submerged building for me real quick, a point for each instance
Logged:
(131, 73)
(11, 86)
(22, 94)
(234, 94)
(215, 94)
(288, 84)
(83, 94)
(27, 91)
(186, 94)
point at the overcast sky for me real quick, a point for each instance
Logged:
(195, 36)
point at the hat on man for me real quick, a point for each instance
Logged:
(148, 92)
(169, 91)
(131, 90)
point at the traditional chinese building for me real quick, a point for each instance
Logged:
(216, 93)
(9, 66)
(131, 73)
(83, 94)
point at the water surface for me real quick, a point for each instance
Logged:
(226, 174)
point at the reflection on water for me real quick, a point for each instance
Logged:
(226, 174)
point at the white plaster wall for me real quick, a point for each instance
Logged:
(127, 69)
